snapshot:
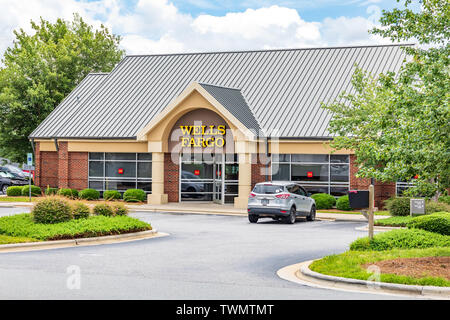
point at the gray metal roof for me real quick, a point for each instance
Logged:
(233, 101)
(282, 88)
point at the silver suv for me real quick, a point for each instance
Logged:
(280, 200)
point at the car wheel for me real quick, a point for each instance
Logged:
(253, 218)
(292, 216)
(4, 189)
(312, 214)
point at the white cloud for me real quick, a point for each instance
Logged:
(157, 26)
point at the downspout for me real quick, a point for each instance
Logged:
(56, 144)
(268, 162)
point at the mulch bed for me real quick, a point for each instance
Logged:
(416, 267)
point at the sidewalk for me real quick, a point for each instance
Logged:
(209, 208)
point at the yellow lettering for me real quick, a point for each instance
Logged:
(221, 130)
(184, 142)
(186, 130)
(221, 144)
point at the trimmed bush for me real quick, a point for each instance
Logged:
(51, 210)
(438, 222)
(14, 191)
(35, 191)
(120, 209)
(103, 209)
(68, 193)
(89, 194)
(111, 195)
(402, 239)
(134, 195)
(444, 199)
(80, 211)
(343, 204)
(324, 201)
(433, 206)
(398, 206)
(51, 191)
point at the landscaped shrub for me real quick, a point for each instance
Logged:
(51, 210)
(111, 195)
(402, 239)
(433, 206)
(398, 206)
(51, 191)
(14, 191)
(89, 194)
(324, 200)
(35, 191)
(80, 211)
(68, 193)
(343, 203)
(103, 209)
(393, 221)
(438, 222)
(444, 199)
(134, 195)
(120, 209)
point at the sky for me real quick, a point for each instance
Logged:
(177, 26)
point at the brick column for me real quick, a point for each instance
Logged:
(171, 178)
(260, 168)
(63, 165)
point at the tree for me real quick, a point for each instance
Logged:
(398, 124)
(39, 70)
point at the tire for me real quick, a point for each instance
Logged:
(292, 216)
(253, 218)
(4, 187)
(312, 214)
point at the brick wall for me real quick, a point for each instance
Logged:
(63, 165)
(171, 178)
(383, 190)
(78, 170)
(47, 169)
(260, 163)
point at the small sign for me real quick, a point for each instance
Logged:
(417, 206)
(29, 159)
(28, 167)
(197, 172)
(120, 171)
(309, 174)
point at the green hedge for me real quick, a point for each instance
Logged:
(35, 191)
(51, 210)
(68, 193)
(120, 209)
(343, 204)
(324, 201)
(438, 222)
(402, 239)
(80, 211)
(134, 195)
(111, 195)
(22, 225)
(89, 194)
(103, 209)
(393, 221)
(14, 191)
(398, 206)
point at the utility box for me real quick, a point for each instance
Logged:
(416, 206)
(359, 199)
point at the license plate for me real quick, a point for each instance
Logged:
(265, 202)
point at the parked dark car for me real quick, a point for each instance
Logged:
(9, 178)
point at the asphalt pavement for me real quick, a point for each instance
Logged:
(205, 257)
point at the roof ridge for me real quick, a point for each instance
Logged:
(218, 86)
(272, 50)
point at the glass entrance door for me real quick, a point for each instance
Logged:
(218, 179)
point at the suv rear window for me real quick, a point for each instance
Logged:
(268, 189)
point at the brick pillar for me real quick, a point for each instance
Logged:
(78, 170)
(260, 168)
(63, 165)
(37, 164)
(171, 178)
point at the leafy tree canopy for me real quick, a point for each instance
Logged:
(40, 69)
(398, 124)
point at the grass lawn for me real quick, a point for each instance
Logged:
(393, 221)
(22, 225)
(348, 265)
(9, 240)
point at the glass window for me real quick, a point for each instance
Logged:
(96, 156)
(120, 184)
(145, 156)
(232, 171)
(268, 189)
(144, 170)
(314, 158)
(309, 172)
(339, 191)
(120, 169)
(281, 172)
(96, 168)
(145, 185)
(281, 158)
(337, 158)
(98, 185)
(339, 173)
(316, 189)
(121, 156)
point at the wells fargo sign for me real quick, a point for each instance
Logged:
(203, 136)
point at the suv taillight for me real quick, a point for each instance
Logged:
(252, 195)
(283, 196)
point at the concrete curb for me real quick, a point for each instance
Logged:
(300, 273)
(44, 245)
